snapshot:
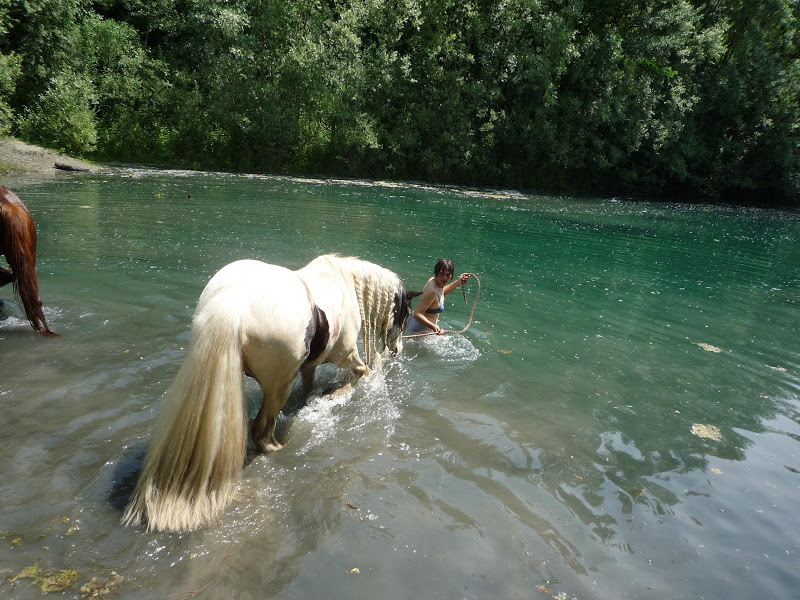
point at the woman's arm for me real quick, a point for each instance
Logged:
(462, 279)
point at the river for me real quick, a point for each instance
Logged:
(621, 420)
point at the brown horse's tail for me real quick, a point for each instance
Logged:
(20, 250)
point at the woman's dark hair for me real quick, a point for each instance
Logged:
(444, 265)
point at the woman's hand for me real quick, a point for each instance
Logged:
(463, 278)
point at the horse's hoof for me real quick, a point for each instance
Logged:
(342, 391)
(267, 447)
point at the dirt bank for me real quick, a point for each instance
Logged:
(19, 158)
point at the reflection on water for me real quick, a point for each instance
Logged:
(549, 450)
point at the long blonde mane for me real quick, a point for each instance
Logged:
(374, 288)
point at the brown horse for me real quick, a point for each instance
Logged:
(18, 244)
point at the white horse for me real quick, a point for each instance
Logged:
(271, 323)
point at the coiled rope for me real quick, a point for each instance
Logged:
(471, 313)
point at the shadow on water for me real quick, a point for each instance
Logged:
(125, 476)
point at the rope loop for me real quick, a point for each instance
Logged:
(469, 322)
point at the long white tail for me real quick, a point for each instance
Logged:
(198, 448)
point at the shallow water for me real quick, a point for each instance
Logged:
(547, 451)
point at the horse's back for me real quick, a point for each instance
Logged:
(255, 288)
(243, 275)
(331, 287)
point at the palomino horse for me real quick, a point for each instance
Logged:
(271, 323)
(18, 244)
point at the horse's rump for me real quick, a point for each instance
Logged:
(273, 305)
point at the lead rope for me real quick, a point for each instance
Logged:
(469, 322)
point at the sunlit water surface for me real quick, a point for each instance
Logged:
(548, 452)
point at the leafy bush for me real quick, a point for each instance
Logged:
(9, 71)
(63, 116)
(680, 97)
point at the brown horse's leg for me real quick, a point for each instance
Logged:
(6, 276)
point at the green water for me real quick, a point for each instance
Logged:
(549, 450)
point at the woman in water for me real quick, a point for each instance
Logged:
(431, 302)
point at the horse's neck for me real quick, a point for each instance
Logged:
(348, 271)
(333, 279)
(364, 278)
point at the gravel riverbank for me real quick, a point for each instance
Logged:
(20, 158)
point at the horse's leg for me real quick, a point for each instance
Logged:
(357, 369)
(307, 377)
(263, 427)
(6, 276)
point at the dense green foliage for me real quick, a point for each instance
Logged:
(653, 96)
